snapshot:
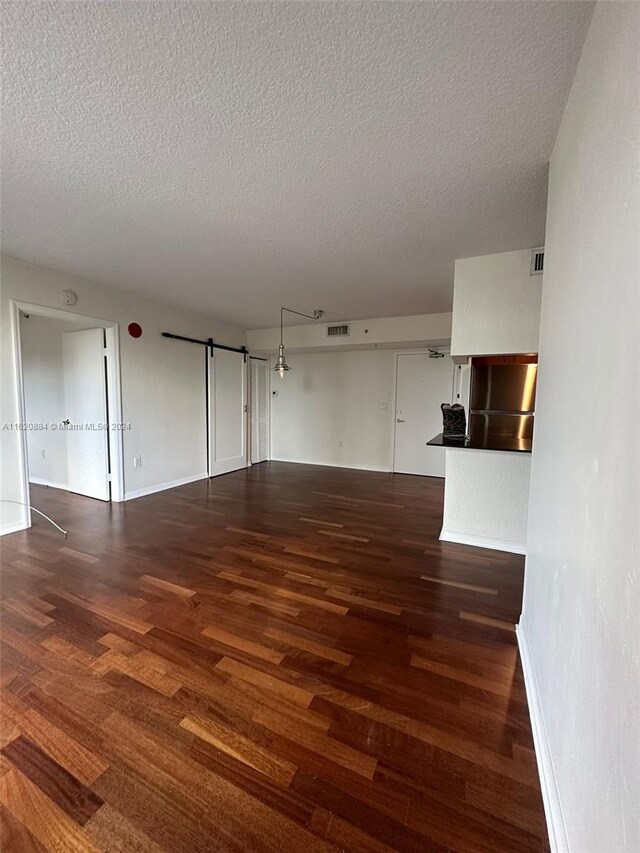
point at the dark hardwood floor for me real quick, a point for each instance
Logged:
(284, 658)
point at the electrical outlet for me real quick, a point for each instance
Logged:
(137, 461)
(43, 454)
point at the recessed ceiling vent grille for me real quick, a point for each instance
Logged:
(537, 262)
(338, 331)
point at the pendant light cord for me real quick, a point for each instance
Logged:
(281, 364)
(317, 315)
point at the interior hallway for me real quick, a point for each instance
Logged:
(284, 657)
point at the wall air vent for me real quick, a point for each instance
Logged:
(338, 331)
(537, 262)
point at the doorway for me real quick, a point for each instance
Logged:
(68, 381)
(422, 384)
(259, 408)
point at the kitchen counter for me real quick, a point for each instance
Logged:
(492, 442)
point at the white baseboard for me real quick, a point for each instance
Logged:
(550, 796)
(14, 528)
(40, 481)
(483, 542)
(161, 487)
(333, 465)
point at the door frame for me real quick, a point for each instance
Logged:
(446, 351)
(114, 393)
(267, 363)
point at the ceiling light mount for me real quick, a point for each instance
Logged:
(281, 366)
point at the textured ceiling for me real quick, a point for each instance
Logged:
(231, 157)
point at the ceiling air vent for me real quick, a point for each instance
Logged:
(537, 262)
(338, 331)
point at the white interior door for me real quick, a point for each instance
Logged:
(227, 412)
(85, 400)
(422, 384)
(258, 409)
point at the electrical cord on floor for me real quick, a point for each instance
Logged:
(33, 509)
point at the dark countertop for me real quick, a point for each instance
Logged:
(490, 442)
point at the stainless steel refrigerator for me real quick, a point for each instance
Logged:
(502, 396)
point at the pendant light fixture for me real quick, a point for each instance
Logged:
(281, 363)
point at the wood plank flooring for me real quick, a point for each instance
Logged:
(283, 658)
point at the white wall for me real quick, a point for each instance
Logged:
(486, 499)
(496, 305)
(334, 397)
(334, 393)
(415, 330)
(162, 380)
(43, 380)
(580, 628)
(496, 310)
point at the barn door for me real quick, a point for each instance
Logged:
(227, 412)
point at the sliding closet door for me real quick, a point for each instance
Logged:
(258, 408)
(227, 412)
